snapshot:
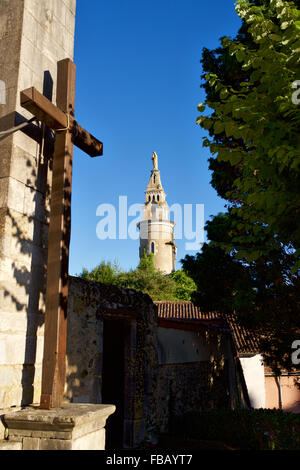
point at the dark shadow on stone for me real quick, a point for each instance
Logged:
(33, 280)
(38, 274)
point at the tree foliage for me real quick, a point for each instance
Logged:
(106, 273)
(145, 278)
(264, 294)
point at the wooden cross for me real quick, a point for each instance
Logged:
(60, 118)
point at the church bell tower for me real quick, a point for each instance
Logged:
(156, 230)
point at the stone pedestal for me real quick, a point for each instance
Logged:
(72, 427)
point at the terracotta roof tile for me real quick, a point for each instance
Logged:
(246, 341)
(184, 310)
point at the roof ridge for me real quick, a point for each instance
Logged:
(245, 339)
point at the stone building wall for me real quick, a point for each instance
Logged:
(168, 372)
(193, 371)
(34, 35)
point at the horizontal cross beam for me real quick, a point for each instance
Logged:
(53, 117)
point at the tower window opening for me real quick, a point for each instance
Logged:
(158, 198)
(153, 247)
(154, 179)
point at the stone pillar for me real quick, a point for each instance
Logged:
(73, 427)
(34, 35)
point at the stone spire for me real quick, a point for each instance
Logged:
(156, 205)
(155, 192)
(156, 230)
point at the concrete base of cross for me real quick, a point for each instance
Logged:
(71, 427)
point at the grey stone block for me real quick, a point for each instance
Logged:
(72, 427)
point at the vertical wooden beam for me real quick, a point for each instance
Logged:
(54, 362)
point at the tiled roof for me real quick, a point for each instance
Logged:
(246, 341)
(184, 311)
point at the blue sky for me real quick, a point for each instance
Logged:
(137, 90)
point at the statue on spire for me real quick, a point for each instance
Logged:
(155, 161)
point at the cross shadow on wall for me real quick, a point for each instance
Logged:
(33, 279)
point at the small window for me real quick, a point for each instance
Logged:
(158, 198)
(153, 247)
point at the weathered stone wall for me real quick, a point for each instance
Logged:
(34, 35)
(169, 371)
(84, 346)
(89, 304)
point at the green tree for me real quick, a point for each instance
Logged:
(145, 278)
(217, 274)
(264, 293)
(107, 273)
(185, 286)
(254, 126)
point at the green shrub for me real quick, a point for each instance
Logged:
(245, 429)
